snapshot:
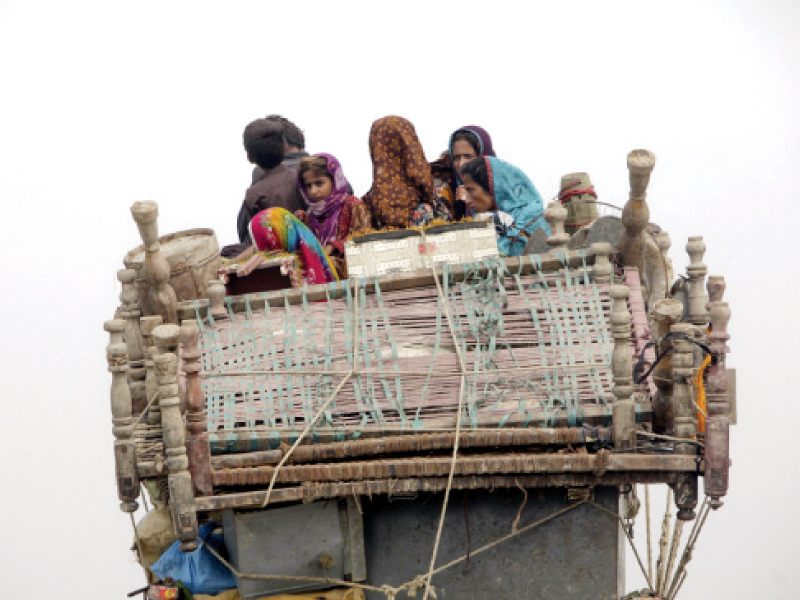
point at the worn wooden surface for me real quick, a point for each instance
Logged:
(424, 442)
(255, 439)
(439, 466)
(398, 487)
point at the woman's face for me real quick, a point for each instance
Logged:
(318, 186)
(478, 199)
(463, 152)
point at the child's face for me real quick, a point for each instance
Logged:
(318, 186)
(478, 199)
(463, 152)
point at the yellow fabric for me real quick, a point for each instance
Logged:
(701, 395)
(334, 594)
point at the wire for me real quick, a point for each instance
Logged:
(640, 364)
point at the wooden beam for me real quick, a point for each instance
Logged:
(439, 466)
(394, 487)
(425, 442)
(266, 439)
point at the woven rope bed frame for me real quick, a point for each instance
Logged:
(536, 351)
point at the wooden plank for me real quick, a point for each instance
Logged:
(439, 466)
(393, 487)
(424, 442)
(265, 438)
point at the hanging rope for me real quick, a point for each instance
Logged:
(663, 544)
(325, 404)
(649, 542)
(680, 572)
(449, 317)
(677, 532)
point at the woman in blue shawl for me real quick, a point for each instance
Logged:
(501, 193)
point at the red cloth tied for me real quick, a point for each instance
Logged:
(566, 194)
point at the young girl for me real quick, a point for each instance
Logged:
(503, 194)
(333, 213)
(278, 229)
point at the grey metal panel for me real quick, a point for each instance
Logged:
(285, 541)
(575, 556)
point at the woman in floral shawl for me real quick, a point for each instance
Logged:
(333, 213)
(401, 175)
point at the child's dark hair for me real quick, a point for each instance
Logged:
(263, 141)
(291, 132)
(318, 165)
(469, 137)
(478, 172)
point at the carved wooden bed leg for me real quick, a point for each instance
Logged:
(131, 312)
(124, 445)
(624, 411)
(197, 447)
(182, 504)
(636, 213)
(718, 422)
(602, 265)
(162, 298)
(149, 324)
(556, 215)
(698, 299)
(666, 313)
(683, 407)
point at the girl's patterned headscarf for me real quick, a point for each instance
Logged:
(401, 176)
(323, 216)
(278, 229)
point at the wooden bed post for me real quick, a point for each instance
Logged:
(197, 446)
(666, 313)
(148, 324)
(216, 299)
(624, 411)
(121, 418)
(131, 312)
(718, 422)
(602, 266)
(685, 414)
(698, 299)
(636, 213)
(181, 498)
(156, 267)
(556, 215)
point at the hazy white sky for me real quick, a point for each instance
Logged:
(106, 103)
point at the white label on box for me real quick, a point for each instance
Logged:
(355, 271)
(446, 258)
(351, 249)
(485, 252)
(480, 233)
(384, 246)
(450, 236)
(393, 266)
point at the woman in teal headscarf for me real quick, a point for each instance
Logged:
(501, 193)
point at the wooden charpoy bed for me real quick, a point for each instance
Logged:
(503, 373)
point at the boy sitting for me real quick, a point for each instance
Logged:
(277, 188)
